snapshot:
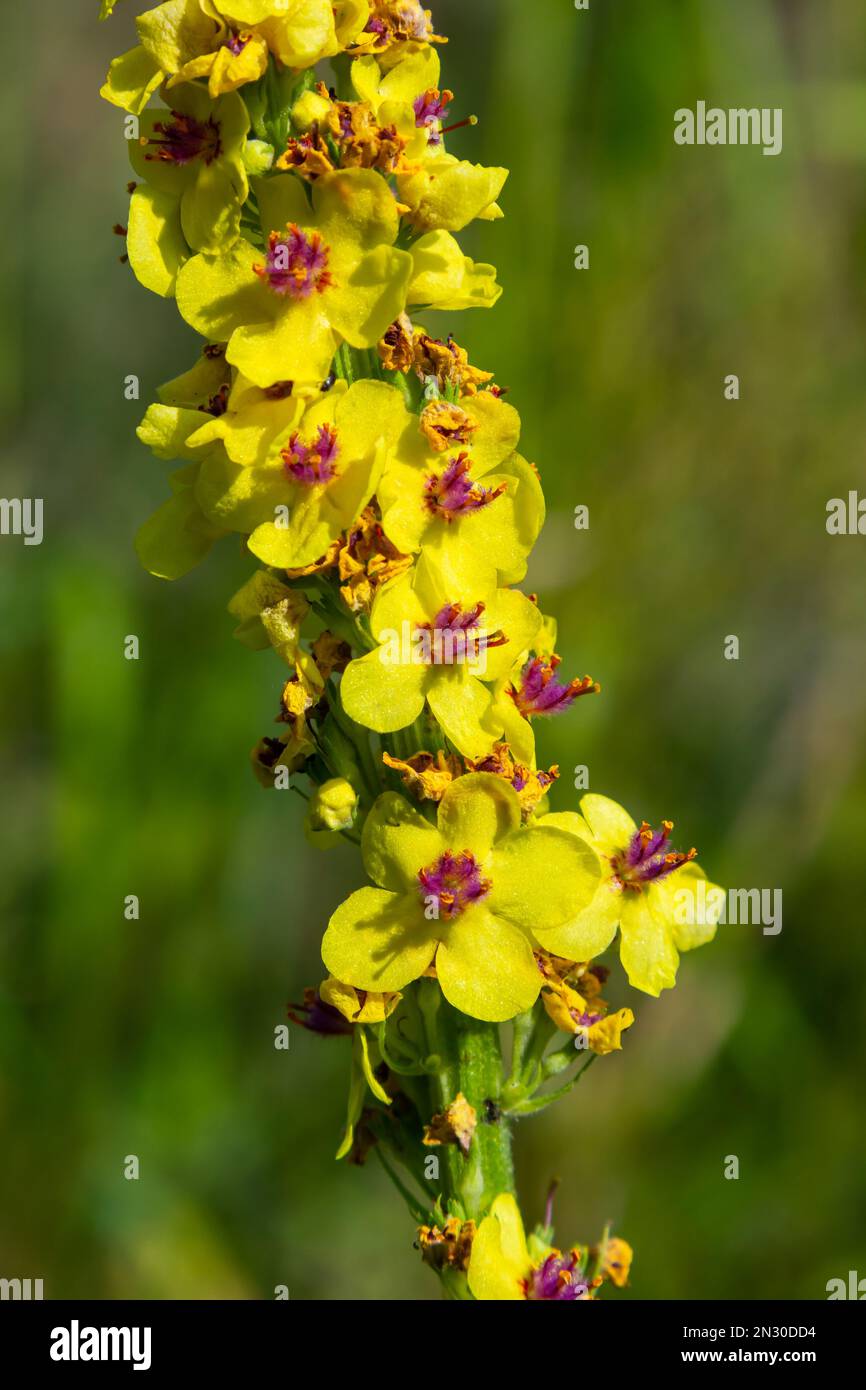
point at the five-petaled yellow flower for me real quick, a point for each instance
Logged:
(329, 273)
(443, 629)
(465, 895)
(657, 896)
(314, 482)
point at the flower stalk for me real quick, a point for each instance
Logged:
(295, 198)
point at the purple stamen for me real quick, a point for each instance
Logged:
(318, 1017)
(183, 139)
(557, 1279)
(454, 882)
(540, 693)
(431, 109)
(312, 464)
(454, 494)
(648, 856)
(296, 264)
(586, 1020)
(237, 43)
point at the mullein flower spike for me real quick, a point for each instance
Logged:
(295, 194)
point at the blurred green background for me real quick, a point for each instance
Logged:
(155, 1037)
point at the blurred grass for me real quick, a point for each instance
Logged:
(155, 1037)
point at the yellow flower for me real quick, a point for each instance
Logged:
(448, 193)
(227, 42)
(444, 278)
(249, 419)
(194, 152)
(465, 893)
(443, 630)
(315, 481)
(397, 28)
(501, 1268)
(330, 273)
(600, 1031)
(358, 1005)
(648, 890)
(454, 482)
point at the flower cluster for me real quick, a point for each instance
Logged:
(293, 192)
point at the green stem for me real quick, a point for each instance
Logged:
(472, 1065)
(488, 1168)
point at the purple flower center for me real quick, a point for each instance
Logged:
(318, 1017)
(453, 493)
(586, 1020)
(557, 1279)
(183, 139)
(431, 109)
(455, 636)
(454, 882)
(237, 43)
(540, 693)
(648, 857)
(296, 263)
(312, 464)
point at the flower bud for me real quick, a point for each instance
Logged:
(332, 808)
(258, 156)
(308, 109)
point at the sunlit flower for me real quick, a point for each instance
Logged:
(193, 151)
(313, 484)
(502, 1269)
(329, 273)
(642, 876)
(465, 893)
(454, 482)
(443, 631)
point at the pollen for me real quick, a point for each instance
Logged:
(296, 264)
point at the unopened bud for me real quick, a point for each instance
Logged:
(332, 808)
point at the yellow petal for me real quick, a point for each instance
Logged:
(476, 811)
(383, 695)
(155, 243)
(397, 842)
(609, 823)
(217, 294)
(542, 877)
(486, 967)
(378, 941)
(132, 79)
(500, 1260)
(464, 708)
(647, 950)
